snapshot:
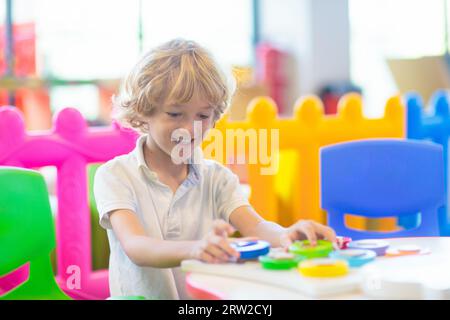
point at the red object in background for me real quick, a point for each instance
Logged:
(330, 103)
(331, 93)
(105, 102)
(24, 50)
(34, 103)
(25, 56)
(270, 71)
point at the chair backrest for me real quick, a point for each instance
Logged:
(26, 232)
(383, 178)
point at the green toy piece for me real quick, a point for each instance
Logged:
(304, 248)
(277, 260)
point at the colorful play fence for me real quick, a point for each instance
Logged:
(294, 192)
(289, 193)
(433, 124)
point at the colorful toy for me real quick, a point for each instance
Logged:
(430, 123)
(323, 268)
(251, 271)
(251, 249)
(304, 248)
(343, 242)
(378, 246)
(408, 277)
(280, 260)
(271, 72)
(69, 146)
(406, 250)
(354, 181)
(354, 257)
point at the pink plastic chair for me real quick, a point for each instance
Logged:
(70, 146)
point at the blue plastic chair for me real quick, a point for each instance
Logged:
(383, 178)
(434, 126)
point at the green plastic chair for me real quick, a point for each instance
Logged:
(27, 234)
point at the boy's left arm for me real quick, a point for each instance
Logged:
(251, 224)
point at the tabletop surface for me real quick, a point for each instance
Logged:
(415, 277)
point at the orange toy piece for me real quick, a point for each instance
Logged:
(407, 250)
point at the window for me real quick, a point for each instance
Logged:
(86, 40)
(224, 27)
(382, 29)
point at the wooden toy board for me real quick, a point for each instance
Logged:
(407, 277)
(289, 279)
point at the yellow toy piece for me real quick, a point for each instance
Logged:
(323, 268)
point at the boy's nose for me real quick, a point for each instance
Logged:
(190, 127)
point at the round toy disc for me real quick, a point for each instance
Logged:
(379, 246)
(408, 251)
(305, 249)
(281, 255)
(370, 243)
(352, 253)
(251, 249)
(355, 257)
(325, 267)
(268, 262)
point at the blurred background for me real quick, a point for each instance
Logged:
(60, 53)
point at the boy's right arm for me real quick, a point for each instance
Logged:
(150, 252)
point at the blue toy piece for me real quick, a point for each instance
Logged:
(383, 178)
(251, 249)
(434, 126)
(354, 257)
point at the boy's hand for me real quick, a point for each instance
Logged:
(215, 246)
(307, 229)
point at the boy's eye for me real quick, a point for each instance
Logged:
(173, 114)
(203, 116)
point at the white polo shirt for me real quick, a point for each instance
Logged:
(210, 191)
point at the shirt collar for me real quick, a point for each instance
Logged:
(194, 167)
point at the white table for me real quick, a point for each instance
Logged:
(209, 282)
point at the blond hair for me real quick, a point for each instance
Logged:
(170, 74)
